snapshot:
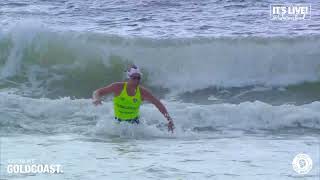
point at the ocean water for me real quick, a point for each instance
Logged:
(243, 90)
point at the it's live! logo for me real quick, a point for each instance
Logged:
(290, 12)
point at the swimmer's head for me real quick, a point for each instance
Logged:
(134, 74)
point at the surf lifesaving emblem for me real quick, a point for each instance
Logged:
(302, 163)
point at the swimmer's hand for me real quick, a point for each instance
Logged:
(96, 102)
(170, 126)
(170, 122)
(96, 98)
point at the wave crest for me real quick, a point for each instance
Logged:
(72, 63)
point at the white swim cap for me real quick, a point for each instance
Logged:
(133, 70)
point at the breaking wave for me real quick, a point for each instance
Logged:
(38, 61)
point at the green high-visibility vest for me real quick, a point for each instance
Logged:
(127, 107)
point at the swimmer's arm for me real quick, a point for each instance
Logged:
(97, 94)
(146, 95)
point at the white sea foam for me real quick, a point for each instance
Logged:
(22, 114)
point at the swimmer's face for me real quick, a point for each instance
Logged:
(135, 78)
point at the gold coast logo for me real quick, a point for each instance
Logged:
(32, 167)
(302, 163)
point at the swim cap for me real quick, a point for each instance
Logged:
(133, 70)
